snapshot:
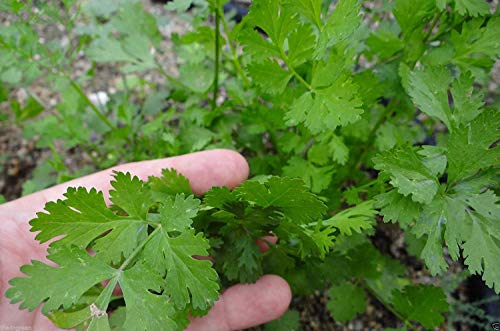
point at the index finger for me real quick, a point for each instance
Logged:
(204, 170)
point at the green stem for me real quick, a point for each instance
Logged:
(138, 249)
(454, 27)
(432, 26)
(285, 59)
(89, 103)
(217, 55)
(234, 54)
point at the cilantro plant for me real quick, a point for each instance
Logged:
(383, 109)
(147, 242)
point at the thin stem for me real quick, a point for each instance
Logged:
(432, 26)
(234, 54)
(285, 59)
(89, 103)
(138, 249)
(440, 34)
(217, 55)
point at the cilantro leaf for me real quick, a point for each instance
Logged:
(170, 183)
(290, 195)
(339, 27)
(309, 9)
(243, 262)
(327, 108)
(343, 310)
(275, 20)
(467, 102)
(187, 279)
(469, 147)
(146, 310)
(429, 91)
(395, 207)
(270, 76)
(472, 7)
(77, 272)
(475, 40)
(130, 195)
(177, 213)
(301, 45)
(355, 219)
(82, 217)
(408, 174)
(481, 247)
(317, 178)
(289, 321)
(442, 213)
(422, 303)
(412, 15)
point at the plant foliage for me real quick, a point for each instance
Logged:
(383, 109)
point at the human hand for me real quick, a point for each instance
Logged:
(239, 307)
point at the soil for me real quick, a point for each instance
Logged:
(20, 156)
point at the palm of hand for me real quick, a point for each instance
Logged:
(241, 306)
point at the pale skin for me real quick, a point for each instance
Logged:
(240, 306)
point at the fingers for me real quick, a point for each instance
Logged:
(264, 242)
(203, 169)
(245, 305)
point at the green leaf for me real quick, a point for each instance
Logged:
(467, 103)
(301, 45)
(408, 174)
(270, 76)
(180, 6)
(316, 178)
(481, 247)
(412, 15)
(81, 217)
(32, 109)
(395, 207)
(309, 9)
(275, 20)
(196, 76)
(242, 259)
(58, 286)
(472, 7)
(475, 40)
(257, 46)
(187, 279)
(355, 219)
(145, 309)
(131, 195)
(290, 195)
(434, 159)
(443, 213)
(169, 184)
(218, 197)
(429, 91)
(424, 304)
(328, 108)
(469, 146)
(339, 27)
(69, 320)
(346, 301)
(176, 214)
(289, 321)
